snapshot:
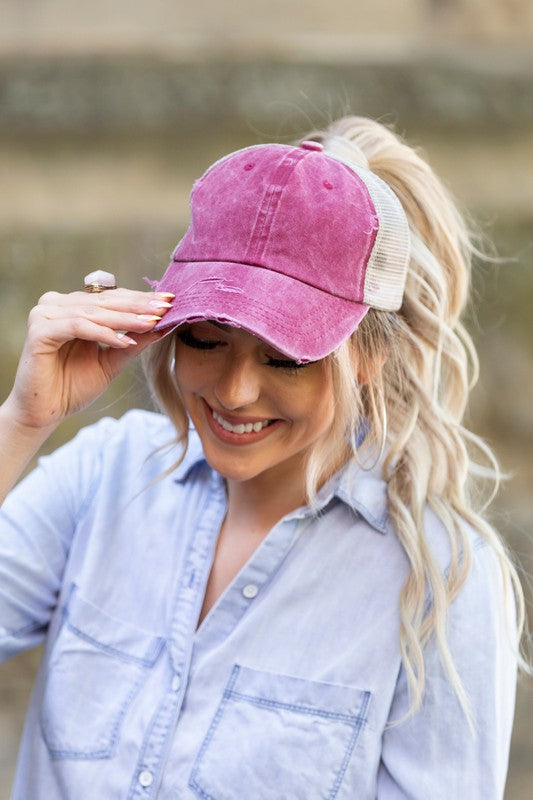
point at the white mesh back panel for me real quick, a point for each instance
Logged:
(387, 266)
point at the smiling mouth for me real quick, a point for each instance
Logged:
(249, 427)
(239, 432)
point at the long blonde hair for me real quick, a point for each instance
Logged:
(407, 375)
(410, 373)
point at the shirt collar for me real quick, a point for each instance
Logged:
(193, 456)
(362, 489)
(365, 492)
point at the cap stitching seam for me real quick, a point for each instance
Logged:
(278, 183)
(276, 272)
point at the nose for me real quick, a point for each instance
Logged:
(238, 385)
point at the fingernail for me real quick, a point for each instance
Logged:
(148, 317)
(170, 295)
(159, 304)
(126, 339)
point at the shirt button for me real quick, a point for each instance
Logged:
(146, 778)
(250, 590)
(176, 683)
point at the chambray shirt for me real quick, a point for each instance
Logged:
(289, 687)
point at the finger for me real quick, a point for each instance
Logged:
(117, 358)
(117, 320)
(117, 299)
(50, 335)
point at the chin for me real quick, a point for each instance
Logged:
(233, 470)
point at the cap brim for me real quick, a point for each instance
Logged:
(299, 320)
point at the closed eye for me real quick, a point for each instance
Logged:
(200, 344)
(188, 338)
(285, 363)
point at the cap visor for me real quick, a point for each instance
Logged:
(299, 320)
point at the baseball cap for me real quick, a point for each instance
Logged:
(291, 244)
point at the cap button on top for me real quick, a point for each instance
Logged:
(307, 145)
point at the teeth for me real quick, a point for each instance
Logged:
(248, 428)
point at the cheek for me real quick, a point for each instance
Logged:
(314, 405)
(183, 379)
(189, 370)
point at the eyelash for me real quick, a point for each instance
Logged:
(281, 363)
(200, 344)
(205, 344)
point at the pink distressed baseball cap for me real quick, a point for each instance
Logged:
(291, 244)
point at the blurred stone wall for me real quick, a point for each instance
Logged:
(249, 24)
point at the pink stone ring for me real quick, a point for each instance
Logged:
(99, 281)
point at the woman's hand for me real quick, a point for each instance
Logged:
(63, 366)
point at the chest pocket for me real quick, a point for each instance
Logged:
(96, 667)
(275, 737)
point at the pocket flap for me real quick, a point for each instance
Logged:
(115, 636)
(271, 689)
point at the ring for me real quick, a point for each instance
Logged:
(99, 281)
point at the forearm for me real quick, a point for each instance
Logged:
(18, 445)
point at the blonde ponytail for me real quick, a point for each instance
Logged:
(419, 365)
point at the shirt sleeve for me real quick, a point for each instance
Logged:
(37, 522)
(433, 753)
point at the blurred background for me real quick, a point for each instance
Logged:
(109, 110)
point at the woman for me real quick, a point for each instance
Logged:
(278, 587)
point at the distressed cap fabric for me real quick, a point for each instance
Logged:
(291, 244)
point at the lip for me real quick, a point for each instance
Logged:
(238, 438)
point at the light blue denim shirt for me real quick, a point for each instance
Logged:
(288, 688)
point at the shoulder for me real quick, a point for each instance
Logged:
(461, 540)
(145, 441)
(136, 431)
(151, 437)
(484, 596)
(138, 442)
(447, 539)
(135, 425)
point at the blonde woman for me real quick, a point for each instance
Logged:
(278, 586)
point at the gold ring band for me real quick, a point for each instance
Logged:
(99, 281)
(93, 288)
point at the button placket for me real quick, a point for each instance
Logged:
(242, 593)
(158, 741)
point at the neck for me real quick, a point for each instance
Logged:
(259, 503)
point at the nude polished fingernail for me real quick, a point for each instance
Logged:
(160, 304)
(148, 317)
(170, 295)
(125, 339)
